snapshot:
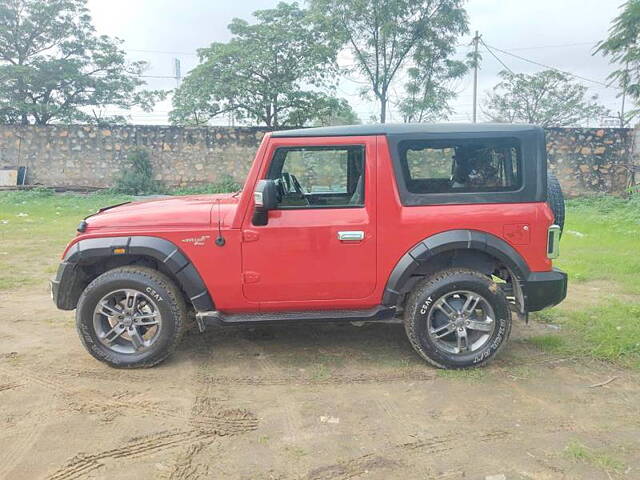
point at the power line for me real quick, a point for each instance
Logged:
(496, 57)
(163, 52)
(542, 47)
(550, 67)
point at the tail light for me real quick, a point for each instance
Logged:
(553, 241)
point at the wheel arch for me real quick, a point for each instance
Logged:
(462, 248)
(88, 258)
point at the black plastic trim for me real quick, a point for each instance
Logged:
(68, 284)
(401, 128)
(376, 314)
(411, 262)
(545, 289)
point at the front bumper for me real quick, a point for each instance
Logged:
(545, 289)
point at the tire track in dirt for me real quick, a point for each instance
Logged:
(184, 467)
(17, 450)
(292, 419)
(334, 379)
(12, 455)
(232, 421)
(351, 468)
(9, 386)
(82, 464)
(206, 425)
(435, 445)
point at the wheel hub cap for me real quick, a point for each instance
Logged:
(461, 322)
(127, 321)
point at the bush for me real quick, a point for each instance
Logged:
(137, 178)
(226, 185)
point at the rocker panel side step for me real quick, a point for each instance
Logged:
(376, 314)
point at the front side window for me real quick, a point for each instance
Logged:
(482, 165)
(319, 177)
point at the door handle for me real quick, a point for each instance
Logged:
(351, 235)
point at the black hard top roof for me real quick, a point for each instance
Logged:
(403, 128)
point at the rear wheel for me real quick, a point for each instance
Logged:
(131, 317)
(457, 318)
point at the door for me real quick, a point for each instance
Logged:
(320, 242)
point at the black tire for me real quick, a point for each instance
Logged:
(421, 304)
(555, 199)
(167, 299)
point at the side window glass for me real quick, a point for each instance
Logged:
(483, 165)
(319, 177)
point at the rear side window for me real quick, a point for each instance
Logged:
(461, 166)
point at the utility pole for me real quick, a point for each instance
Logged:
(176, 71)
(624, 93)
(476, 41)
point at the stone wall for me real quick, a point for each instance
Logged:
(92, 156)
(590, 160)
(585, 160)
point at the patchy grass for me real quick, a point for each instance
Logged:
(546, 316)
(35, 226)
(601, 241)
(320, 373)
(578, 452)
(471, 374)
(609, 332)
(550, 342)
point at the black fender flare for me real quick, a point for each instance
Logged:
(411, 262)
(163, 251)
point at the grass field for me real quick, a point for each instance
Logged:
(601, 245)
(601, 242)
(35, 226)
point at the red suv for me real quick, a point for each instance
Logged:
(447, 228)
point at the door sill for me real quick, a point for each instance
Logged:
(380, 313)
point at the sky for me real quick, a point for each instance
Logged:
(557, 33)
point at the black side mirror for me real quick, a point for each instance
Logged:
(265, 198)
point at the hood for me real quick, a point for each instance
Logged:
(174, 212)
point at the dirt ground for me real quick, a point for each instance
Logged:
(308, 402)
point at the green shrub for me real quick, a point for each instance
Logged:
(137, 178)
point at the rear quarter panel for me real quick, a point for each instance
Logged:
(522, 225)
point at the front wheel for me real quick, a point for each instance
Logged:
(457, 318)
(131, 317)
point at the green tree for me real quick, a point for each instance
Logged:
(385, 36)
(623, 49)
(53, 66)
(326, 111)
(429, 89)
(548, 98)
(269, 72)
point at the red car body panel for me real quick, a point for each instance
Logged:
(296, 261)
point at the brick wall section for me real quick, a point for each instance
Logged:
(586, 160)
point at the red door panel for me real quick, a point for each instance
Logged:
(299, 257)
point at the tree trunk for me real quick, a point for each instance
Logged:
(383, 107)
